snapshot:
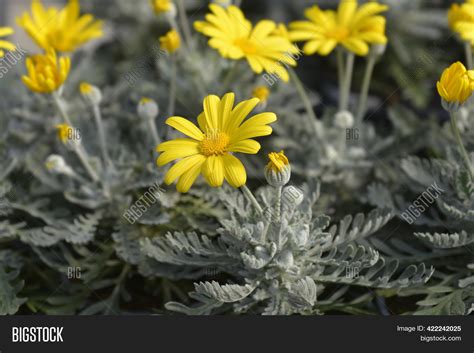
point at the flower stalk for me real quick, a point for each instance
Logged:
(346, 90)
(172, 95)
(251, 198)
(312, 119)
(101, 132)
(183, 18)
(469, 56)
(60, 104)
(364, 92)
(457, 136)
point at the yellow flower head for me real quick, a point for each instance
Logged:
(210, 149)
(61, 29)
(171, 41)
(353, 27)
(5, 31)
(278, 161)
(262, 93)
(161, 6)
(85, 88)
(46, 74)
(65, 132)
(235, 38)
(456, 84)
(461, 20)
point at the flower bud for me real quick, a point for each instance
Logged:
(68, 135)
(148, 109)
(344, 119)
(455, 86)
(262, 93)
(278, 170)
(377, 50)
(91, 93)
(171, 41)
(56, 164)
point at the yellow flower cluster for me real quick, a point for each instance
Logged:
(171, 41)
(456, 84)
(210, 148)
(236, 38)
(5, 31)
(461, 20)
(351, 26)
(46, 73)
(63, 30)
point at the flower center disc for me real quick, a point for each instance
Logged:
(214, 143)
(339, 33)
(245, 45)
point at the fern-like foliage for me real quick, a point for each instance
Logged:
(281, 261)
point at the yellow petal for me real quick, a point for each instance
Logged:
(182, 167)
(187, 179)
(213, 171)
(186, 127)
(234, 171)
(245, 146)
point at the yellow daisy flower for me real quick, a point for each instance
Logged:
(46, 74)
(161, 6)
(65, 132)
(461, 20)
(171, 41)
(262, 93)
(5, 31)
(62, 29)
(352, 27)
(210, 149)
(235, 38)
(456, 84)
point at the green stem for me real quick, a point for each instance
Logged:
(251, 198)
(60, 104)
(469, 58)
(457, 135)
(230, 76)
(82, 154)
(172, 97)
(364, 92)
(340, 73)
(184, 23)
(312, 119)
(346, 91)
(278, 203)
(154, 132)
(100, 129)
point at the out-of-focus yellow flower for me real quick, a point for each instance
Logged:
(235, 38)
(262, 93)
(278, 161)
(210, 149)
(85, 88)
(161, 6)
(353, 27)
(65, 132)
(461, 20)
(456, 84)
(61, 29)
(171, 41)
(5, 31)
(46, 73)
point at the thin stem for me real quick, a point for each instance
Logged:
(312, 119)
(154, 132)
(184, 23)
(364, 92)
(344, 102)
(100, 129)
(278, 203)
(469, 58)
(82, 154)
(172, 97)
(230, 76)
(60, 104)
(457, 135)
(251, 198)
(340, 73)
